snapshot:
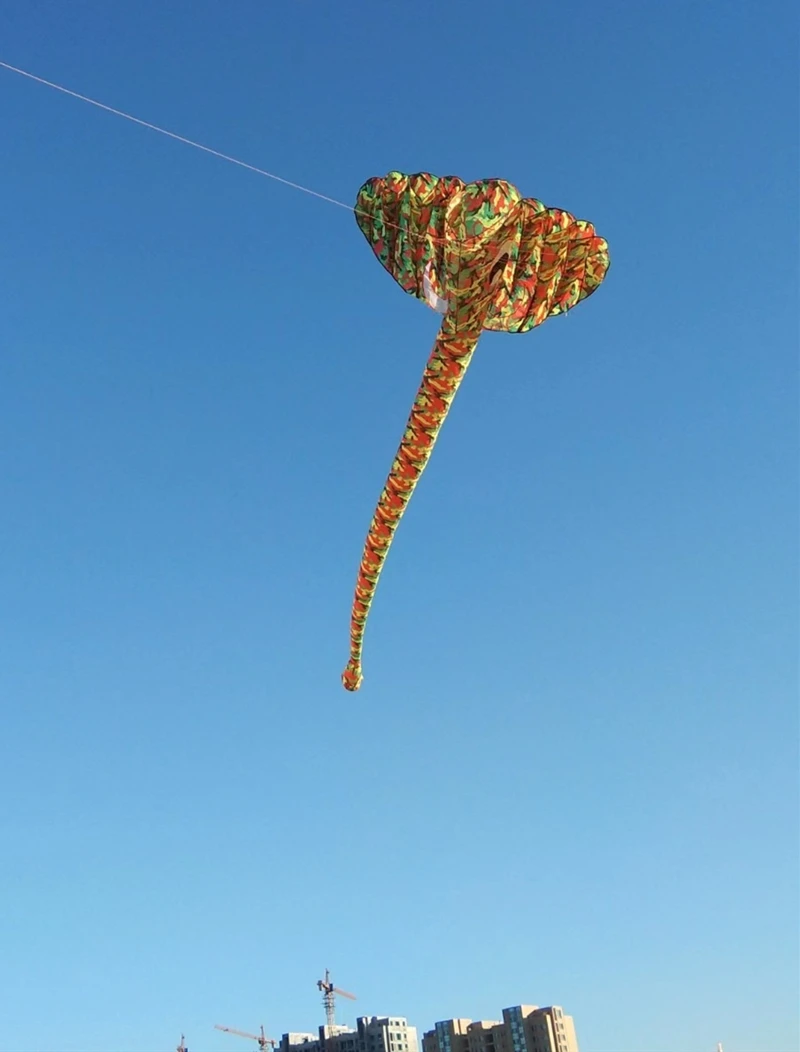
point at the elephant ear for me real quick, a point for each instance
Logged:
(403, 217)
(560, 262)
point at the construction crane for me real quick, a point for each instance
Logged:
(181, 1047)
(329, 992)
(262, 1039)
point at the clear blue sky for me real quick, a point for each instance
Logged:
(571, 774)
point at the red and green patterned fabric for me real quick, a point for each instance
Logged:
(486, 258)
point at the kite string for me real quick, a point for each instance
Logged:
(173, 135)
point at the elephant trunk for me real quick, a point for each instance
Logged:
(451, 354)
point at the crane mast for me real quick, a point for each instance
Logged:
(329, 993)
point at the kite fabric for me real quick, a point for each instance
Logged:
(486, 258)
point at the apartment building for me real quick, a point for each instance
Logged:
(486, 1036)
(372, 1034)
(524, 1028)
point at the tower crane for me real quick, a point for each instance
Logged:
(329, 992)
(262, 1039)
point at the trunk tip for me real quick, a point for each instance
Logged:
(352, 677)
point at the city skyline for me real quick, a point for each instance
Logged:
(523, 1028)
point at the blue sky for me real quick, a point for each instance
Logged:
(571, 774)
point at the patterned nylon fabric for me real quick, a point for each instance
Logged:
(486, 258)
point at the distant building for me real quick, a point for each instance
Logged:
(486, 1036)
(447, 1036)
(384, 1034)
(372, 1034)
(299, 1042)
(524, 1028)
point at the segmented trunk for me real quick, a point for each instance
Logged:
(443, 374)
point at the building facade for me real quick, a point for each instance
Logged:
(372, 1034)
(524, 1028)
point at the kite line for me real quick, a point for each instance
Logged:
(173, 135)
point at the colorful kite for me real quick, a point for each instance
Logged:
(485, 258)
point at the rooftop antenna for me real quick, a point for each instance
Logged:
(329, 992)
